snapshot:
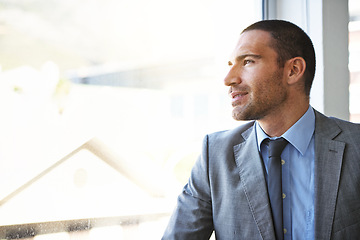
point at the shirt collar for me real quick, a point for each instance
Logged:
(299, 135)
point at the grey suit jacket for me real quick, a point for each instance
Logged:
(227, 193)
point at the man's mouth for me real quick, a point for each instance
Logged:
(237, 97)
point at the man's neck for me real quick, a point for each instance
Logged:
(277, 124)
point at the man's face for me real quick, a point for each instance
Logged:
(257, 84)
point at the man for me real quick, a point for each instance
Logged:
(270, 77)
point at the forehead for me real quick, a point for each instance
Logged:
(254, 42)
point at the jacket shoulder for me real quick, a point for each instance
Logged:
(336, 128)
(346, 124)
(240, 131)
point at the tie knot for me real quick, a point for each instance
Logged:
(276, 147)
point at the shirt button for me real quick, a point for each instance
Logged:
(285, 231)
(282, 161)
(283, 195)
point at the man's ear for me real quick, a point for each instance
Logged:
(295, 69)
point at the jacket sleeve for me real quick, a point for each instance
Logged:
(192, 217)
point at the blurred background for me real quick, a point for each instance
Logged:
(104, 105)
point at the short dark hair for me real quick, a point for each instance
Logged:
(290, 41)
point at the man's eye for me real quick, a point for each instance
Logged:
(247, 61)
(230, 63)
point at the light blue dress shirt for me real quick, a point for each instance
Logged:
(297, 176)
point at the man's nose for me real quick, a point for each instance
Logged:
(232, 77)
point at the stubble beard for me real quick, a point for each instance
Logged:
(262, 102)
(246, 113)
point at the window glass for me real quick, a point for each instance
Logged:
(103, 108)
(354, 59)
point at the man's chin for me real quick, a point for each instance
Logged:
(243, 114)
(238, 114)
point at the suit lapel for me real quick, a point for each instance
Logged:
(252, 177)
(328, 161)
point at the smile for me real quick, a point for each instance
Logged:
(238, 96)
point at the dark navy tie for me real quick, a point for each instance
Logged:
(274, 184)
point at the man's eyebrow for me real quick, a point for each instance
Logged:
(241, 57)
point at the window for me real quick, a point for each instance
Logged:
(104, 105)
(354, 58)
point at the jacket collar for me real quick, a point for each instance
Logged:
(328, 161)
